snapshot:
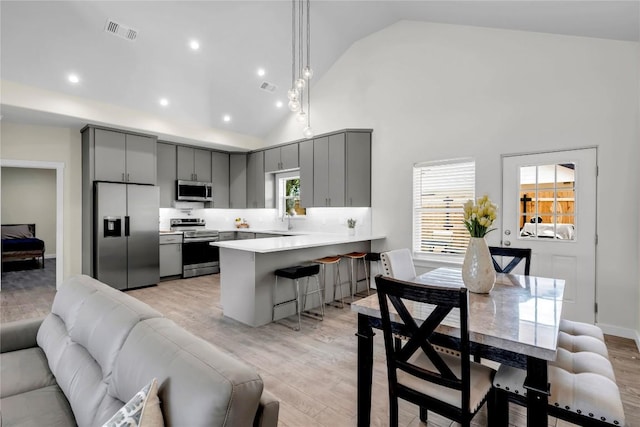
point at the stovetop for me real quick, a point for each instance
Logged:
(193, 228)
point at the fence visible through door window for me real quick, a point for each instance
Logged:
(547, 201)
(440, 190)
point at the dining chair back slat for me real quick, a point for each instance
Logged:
(517, 255)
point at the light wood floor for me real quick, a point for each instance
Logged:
(311, 372)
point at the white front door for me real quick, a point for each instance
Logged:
(549, 205)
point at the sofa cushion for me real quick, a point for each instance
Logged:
(81, 338)
(198, 384)
(24, 370)
(143, 410)
(46, 406)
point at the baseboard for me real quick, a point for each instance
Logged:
(621, 332)
(49, 256)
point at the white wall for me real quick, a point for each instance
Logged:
(29, 197)
(53, 144)
(437, 91)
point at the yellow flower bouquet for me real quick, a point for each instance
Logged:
(479, 216)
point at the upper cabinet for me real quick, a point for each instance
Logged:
(220, 179)
(358, 169)
(335, 170)
(122, 157)
(167, 174)
(306, 173)
(281, 158)
(255, 180)
(194, 164)
(237, 180)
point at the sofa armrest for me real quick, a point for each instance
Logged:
(267, 415)
(19, 335)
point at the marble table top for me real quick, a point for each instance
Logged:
(521, 314)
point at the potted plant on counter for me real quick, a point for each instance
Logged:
(351, 224)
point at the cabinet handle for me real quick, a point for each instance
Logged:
(128, 177)
(179, 248)
(350, 201)
(195, 176)
(329, 201)
(122, 176)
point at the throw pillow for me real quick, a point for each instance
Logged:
(143, 410)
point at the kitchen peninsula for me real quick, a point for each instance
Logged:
(247, 266)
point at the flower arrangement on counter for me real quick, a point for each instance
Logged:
(351, 223)
(479, 216)
(241, 223)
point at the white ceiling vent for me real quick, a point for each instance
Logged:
(268, 87)
(122, 31)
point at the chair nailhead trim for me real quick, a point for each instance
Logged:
(579, 411)
(590, 414)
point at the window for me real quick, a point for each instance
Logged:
(288, 187)
(440, 189)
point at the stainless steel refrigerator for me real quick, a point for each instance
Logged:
(127, 239)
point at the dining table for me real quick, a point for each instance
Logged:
(516, 323)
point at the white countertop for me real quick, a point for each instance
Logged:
(287, 243)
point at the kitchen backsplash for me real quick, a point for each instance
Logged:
(327, 220)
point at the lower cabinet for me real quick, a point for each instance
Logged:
(243, 235)
(170, 255)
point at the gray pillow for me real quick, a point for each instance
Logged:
(16, 232)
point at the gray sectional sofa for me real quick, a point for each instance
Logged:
(98, 347)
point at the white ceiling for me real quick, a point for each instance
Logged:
(43, 41)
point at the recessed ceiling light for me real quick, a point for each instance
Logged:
(279, 104)
(73, 78)
(194, 44)
(164, 102)
(226, 118)
(261, 72)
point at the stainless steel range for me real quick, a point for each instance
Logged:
(198, 257)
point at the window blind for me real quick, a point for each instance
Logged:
(439, 193)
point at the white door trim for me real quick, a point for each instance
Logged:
(59, 168)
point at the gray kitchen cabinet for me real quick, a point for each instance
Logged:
(244, 235)
(329, 171)
(194, 164)
(121, 157)
(170, 255)
(220, 179)
(358, 169)
(167, 174)
(226, 235)
(306, 174)
(255, 180)
(237, 181)
(281, 158)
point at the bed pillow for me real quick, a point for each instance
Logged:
(16, 232)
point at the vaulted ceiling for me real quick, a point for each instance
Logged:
(43, 42)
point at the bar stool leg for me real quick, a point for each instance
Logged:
(297, 305)
(338, 282)
(306, 293)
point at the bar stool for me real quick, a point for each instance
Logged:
(335, 262)
(296, 273)
(353, 257)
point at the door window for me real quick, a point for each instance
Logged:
(547, 201)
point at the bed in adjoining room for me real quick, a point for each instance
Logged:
(19, 242)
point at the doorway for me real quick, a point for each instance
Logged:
(58, 169)
(549, 205)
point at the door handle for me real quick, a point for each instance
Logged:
(126, 226)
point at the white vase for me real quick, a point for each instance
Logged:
(351, 231)
(478, 273)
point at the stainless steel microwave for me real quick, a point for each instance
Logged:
(194, 191)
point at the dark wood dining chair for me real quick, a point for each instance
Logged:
(517, 255)
(452, 386)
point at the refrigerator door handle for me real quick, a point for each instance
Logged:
(126, 225)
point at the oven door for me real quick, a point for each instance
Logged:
(200, 258)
